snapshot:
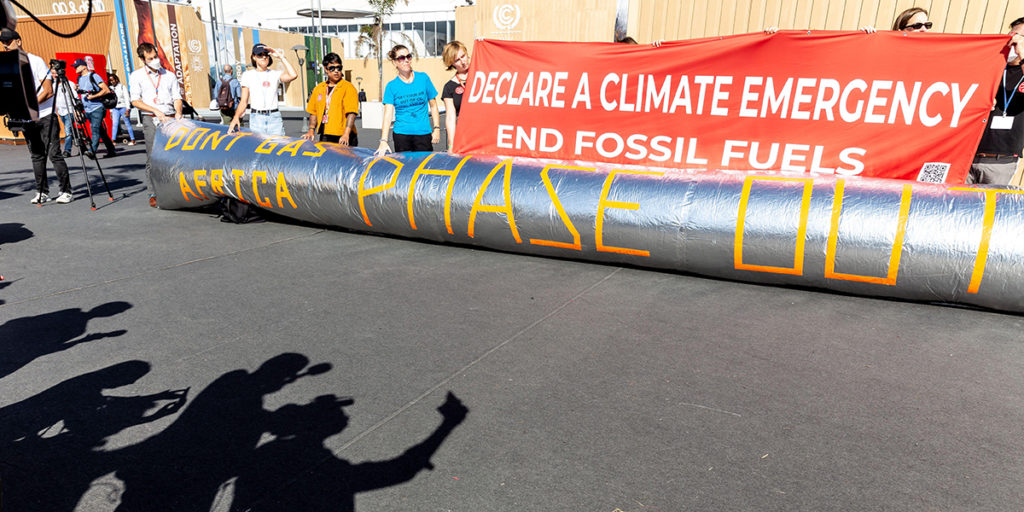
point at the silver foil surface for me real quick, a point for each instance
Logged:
(872, 237)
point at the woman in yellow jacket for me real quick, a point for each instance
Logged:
(333, 106)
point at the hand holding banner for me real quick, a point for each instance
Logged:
(889, 104)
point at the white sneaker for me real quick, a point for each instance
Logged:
(65, 198)
(39, 198)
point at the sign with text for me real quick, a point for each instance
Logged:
(889, 104)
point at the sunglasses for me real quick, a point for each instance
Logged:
(919, 26)
(333, 68)
(400, 58)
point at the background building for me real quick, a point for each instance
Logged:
(196, 39)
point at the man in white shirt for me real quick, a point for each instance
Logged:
(42, 136)
(155, 92)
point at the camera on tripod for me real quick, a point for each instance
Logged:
(60, 66)
(60, 85)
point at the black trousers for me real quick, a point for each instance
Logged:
(412, 142)
(353, 140)
(43, 137)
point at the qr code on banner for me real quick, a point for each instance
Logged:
(933, 172)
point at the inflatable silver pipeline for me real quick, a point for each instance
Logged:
(870, 237)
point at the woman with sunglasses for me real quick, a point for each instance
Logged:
(456, 56)
(409, 100)
(333, 106)
(259, 91)
(914, 19)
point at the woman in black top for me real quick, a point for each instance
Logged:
(456, 56)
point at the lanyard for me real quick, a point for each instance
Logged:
(327, 105)
(156, 86)
(1006, 101)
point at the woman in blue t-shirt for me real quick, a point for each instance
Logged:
(409, 100)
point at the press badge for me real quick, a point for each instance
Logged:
(1002, 122)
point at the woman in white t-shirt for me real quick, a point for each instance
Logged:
(259, 91)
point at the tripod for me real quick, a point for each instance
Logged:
(75, 130)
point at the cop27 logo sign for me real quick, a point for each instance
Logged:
(506, 16)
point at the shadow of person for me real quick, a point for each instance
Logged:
(12, 232)
(26, 338)
(53, 436)
(295, 471)
(4, 284)
(184, 466)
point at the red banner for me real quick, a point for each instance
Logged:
(890, 104)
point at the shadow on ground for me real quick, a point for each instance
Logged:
(27, 338)
(209, 458)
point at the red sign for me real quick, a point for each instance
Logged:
(890, 104)
(95, 63)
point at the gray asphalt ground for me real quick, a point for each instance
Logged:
(130, 339)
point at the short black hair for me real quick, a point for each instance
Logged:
(144, 48)
(1016, 22)
(331, 58)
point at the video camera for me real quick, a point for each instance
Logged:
(17, 85)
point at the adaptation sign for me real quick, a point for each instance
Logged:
(889, 104)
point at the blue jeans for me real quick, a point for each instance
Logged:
(67, 132)
(269, 124)
(96, 124)
(119, 116)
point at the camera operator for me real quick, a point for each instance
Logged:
(43, 136)
(92, 88)
(155, 92)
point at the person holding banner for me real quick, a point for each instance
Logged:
(1001, 143)
(409, 101)
(914, 19)
(456, 56)
(333, 106)
(259, 91)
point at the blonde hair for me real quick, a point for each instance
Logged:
(451, 53)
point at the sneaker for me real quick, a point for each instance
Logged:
(65, 198)
(39, 198)
(66, 154)
(132, 143)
